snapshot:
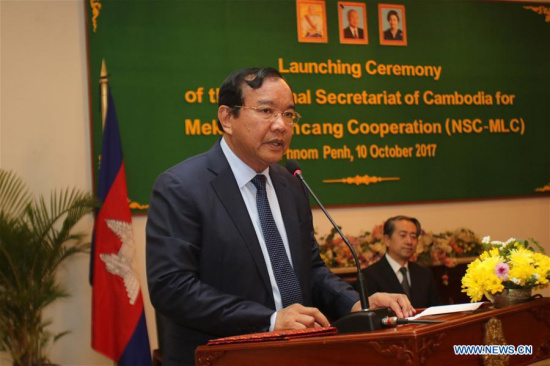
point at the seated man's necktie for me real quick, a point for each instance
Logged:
(405, 283)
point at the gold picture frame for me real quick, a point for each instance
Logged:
(350, 12)
(312, 21)
(393, 25)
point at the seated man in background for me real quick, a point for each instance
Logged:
(394, 272)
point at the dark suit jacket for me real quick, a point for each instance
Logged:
(348, 34)
(389, 36)
(380, 277)
(206, 272)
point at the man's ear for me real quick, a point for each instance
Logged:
(386, 240)
(226, 119)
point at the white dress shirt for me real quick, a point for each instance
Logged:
(396, 266)
(244, 174)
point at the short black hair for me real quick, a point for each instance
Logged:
(389, 225)
(390, 13)
(231, 91)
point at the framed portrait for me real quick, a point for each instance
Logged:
(352, 20)
(393, 25)
(312, 21)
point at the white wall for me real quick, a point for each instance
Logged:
(44, 137)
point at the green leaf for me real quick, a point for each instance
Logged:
(36, 237)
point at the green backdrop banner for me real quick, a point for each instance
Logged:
(456, 108)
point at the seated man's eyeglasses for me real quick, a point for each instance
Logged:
(270, 114)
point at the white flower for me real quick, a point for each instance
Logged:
(536, 275)
(487, 240)
(515, 280)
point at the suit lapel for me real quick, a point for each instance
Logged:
(416, 283)
(230, 196)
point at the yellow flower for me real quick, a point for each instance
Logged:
(521, 265)
(490, 254)
(542, 269)
(527, 269)
(480, 277)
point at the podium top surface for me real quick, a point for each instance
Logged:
(410, 344)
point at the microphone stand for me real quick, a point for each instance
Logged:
(364, 320)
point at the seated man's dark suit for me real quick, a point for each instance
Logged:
(206, 272)
(380, 277)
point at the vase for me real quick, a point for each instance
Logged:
(511, 297)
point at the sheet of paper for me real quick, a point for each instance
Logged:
(445, 309)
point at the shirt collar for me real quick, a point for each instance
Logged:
(242, 172)
(394, 265)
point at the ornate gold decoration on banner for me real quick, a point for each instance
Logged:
(546, 188)
(137, 206)
(357, 180)
(96, 7)
(494, 335)
(104, 90)
(541, 10)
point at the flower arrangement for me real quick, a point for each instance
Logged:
(513, 264)
(447, 247)
(443, 248)
(367, 245)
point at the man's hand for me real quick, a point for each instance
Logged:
(356, 307)
(297, 316)
(399, 303)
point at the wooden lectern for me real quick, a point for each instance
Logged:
(405, 345)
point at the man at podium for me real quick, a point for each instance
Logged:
(230, 247)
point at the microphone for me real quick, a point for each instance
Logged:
(365, 319)
(391, 321)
